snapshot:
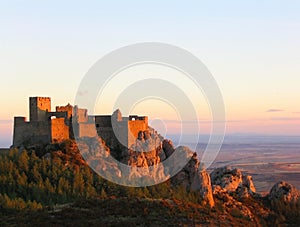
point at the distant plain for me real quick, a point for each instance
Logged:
(267, 159)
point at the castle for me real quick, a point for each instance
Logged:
(68, 122)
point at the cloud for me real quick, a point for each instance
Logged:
(285, 118)
(274, 110)
(296, 112)
(203, 121)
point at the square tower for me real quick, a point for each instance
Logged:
(38, 107)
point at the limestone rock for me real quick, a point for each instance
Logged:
(194, 179)
(183, 159)
(192, 166)
(186, 175)
(161, 154)
(202, 183)
(168, 147)
(232, 205)
(283, 191)
(243, 192)
(248, 183)
(227, 178)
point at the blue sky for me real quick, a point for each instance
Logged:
(251, 47)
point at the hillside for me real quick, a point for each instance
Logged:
(53, 185)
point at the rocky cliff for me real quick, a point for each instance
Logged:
(227, 191)
(151, 150)
(284, 192)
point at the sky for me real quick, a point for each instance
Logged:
(250, 47)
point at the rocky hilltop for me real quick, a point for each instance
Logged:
(225, 183)
(226, 195)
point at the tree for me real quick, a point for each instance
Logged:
(78, 184)
(23, 161)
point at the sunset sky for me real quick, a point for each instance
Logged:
(252, 48)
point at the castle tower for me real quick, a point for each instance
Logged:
(38, 107)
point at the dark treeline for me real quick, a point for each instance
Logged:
(28, 181)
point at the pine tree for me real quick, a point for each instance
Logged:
(23, 161)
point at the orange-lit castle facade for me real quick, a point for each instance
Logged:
(67, 122)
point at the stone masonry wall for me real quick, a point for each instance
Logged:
(46, 126)
(30, 132)
(133, 129)
(59, 130)
(68, 108)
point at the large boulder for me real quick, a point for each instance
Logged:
(248, 183)
(232, 180)
(193, 178)
(283, 191)
(229, 179)
(168, 147)
(185, 176)
(202, 183)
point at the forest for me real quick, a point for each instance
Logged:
(33, 185)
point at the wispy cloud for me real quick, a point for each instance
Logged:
(274, 110)
(285, 118)
(203, 121)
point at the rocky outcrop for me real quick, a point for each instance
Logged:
(284, 192)
(147, 141)
(232, 205)
(97, 155)
(243, 192)
(168, 147)
(193, 178)
(232, 180)
(229, 179)
(202, 183)
(147, 150)
(248, 183)
(186, 176)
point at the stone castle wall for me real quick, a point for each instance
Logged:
(59, 130)
(103, 121)
(125, 131)
(68, 108)
(30, 132)
(134, 127)
(45, 126)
